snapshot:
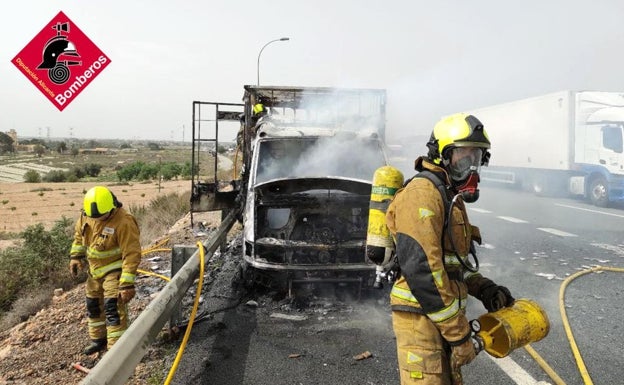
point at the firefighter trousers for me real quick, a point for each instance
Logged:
(422, 353)
(107, 318)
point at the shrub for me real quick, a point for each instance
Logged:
(76, 171)
(55, 176)
(41, 260)
(93, 169)
(32, 176)
(72, 178)
(160, 214)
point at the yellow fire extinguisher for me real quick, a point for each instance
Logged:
(510, 328)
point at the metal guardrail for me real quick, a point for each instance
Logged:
(118, 364)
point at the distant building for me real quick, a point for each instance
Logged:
(24, 147)
(98, 151)
(13, 135)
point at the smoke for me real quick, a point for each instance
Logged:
(324, 133)
(332, 156)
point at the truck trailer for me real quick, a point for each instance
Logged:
(561, 143)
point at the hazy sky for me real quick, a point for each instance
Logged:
(432, 57)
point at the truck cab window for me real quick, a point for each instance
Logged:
(275, 161)
(612, 138)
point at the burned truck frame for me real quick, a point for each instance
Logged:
(308, 158)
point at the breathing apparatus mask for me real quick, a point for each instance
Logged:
(463, 165)
(460, 144)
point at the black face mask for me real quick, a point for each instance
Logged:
(468, 189)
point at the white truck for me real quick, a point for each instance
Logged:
(305, 182)
(567, 142)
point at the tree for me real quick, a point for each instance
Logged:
(186, 170)
(130, 171)
(153, 146)
(148, 171)
(93, 169)
(170, 171)
(39, 150)
(6, 143)
(61, 147)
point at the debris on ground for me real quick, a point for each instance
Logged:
(363, 356)
(47, 347)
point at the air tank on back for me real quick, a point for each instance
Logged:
(387, 180)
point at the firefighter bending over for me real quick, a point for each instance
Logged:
(428, 300)
(107, 240)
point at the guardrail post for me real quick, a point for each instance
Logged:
(179, 255)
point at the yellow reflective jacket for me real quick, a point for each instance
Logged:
(110, 245)
(432, 280)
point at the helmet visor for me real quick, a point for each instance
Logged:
(464, 160)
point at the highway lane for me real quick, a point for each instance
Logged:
(531, 245)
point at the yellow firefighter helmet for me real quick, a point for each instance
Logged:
(458, 130)
(98, 201)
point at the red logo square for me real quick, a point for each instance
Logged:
(61, 61)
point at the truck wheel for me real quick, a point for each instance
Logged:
(539, 184)
(599, 192)
(248, 275)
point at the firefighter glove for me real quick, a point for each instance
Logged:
(126, 294)
(462, 354)
(495, 297)
(75, 265)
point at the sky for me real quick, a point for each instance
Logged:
(433, 58)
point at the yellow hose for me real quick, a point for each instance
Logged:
(153, 249)
(154, 274)
(540, 361)
(187, 333)
(544, 365)
(577, 355)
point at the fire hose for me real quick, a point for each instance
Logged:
(187, 333)
(577, 355)
(532, 325)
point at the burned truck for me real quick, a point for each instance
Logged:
(308, 157)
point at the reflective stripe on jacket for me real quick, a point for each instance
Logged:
(113, 244)
(415, 218)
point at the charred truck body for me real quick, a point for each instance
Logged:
(309, 155)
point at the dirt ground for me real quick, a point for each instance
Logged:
(25, 204)
(44, 348)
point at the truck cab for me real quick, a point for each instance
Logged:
(308, 158)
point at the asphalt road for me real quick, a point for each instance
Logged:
(531, 245)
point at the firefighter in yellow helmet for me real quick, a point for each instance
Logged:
(434, 244)
(106, 239)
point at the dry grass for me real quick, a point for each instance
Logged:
(26, 204)
(17, 264)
